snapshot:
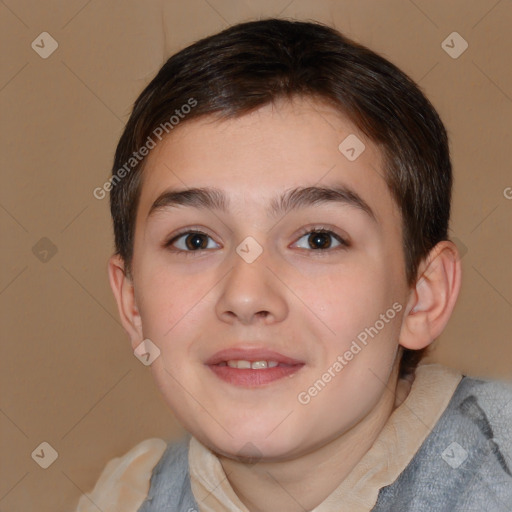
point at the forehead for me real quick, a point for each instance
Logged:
(256, 157)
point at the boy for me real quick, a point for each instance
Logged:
(281, 198)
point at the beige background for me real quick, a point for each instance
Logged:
(68, 376)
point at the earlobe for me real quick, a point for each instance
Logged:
(433, 297)
(124, 293)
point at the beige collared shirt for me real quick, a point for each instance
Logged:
(124, 483)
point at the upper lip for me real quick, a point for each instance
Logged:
(250, 354)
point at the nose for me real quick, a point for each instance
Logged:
(251, 294)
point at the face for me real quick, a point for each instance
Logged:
(304, 288)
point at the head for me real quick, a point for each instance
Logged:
(253, 112)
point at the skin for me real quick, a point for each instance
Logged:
(295, 299)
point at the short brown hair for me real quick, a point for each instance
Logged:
(252, 64)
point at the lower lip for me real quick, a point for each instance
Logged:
(253, 378)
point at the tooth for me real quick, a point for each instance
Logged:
(242, 363)
(245, 365)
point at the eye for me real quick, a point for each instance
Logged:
(320, 239)
(191, 241)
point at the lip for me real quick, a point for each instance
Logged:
(250, 378)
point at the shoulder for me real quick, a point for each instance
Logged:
(465, 464)
(476, 445)
(486, 405)
(124, 482)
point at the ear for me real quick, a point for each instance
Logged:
(124, 293)
(433, 297)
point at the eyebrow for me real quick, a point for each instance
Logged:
(301, 197)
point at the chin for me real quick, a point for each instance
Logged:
(251, 447)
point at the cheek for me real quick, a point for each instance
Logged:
(168, 299)
(349, 299)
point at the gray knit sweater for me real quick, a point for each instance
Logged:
(464, 465)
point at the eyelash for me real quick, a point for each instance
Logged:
(306, 231)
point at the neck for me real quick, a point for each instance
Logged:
(304, 482)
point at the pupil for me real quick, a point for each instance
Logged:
(320, 239)
(197, 242)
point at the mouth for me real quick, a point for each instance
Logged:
(252, 367)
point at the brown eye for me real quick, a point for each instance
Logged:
(321, 240)
(191, 241)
